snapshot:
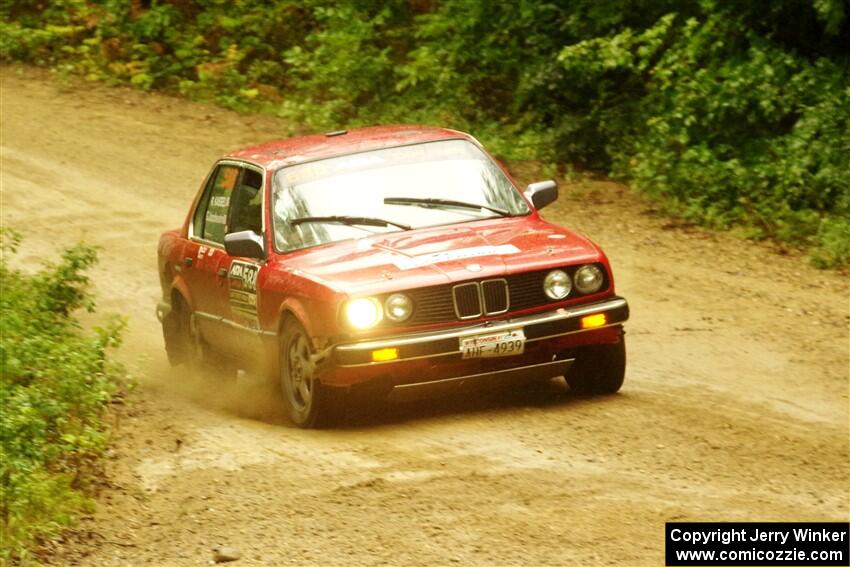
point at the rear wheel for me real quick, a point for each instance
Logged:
(598, 369)
(308, 402)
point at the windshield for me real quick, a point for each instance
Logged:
(409, 186)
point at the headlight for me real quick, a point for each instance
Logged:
(363, 313)
(588, 279)
(398, 307)
(557, 284)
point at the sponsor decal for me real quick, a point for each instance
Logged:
(452, 255)
(245, 274)
(243, 292)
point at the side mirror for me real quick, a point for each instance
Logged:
(542, 193)
(245, 243)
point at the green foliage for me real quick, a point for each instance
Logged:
(834, 236)
(731, 127)
(55, 382)
(720, 110)
(342, 66)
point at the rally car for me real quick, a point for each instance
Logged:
(398, 260)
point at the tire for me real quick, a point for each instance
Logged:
(598, 369)
(308, 402)
(195, 349)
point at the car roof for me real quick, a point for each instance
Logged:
(273, 155)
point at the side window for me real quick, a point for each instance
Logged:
(211, 215)
(246, 205)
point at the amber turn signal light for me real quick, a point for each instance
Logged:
(592, 321)
(384, 354)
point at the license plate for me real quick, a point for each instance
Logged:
(506, 343)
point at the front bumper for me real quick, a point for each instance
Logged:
(446, 343)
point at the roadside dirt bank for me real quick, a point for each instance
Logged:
(735, 405)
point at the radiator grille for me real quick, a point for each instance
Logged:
(432, 304)
(495, 294)
(527, 290)
(467, 300)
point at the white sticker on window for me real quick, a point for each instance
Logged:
(220, 201)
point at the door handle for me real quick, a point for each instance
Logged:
(187, 262)
(222, 272)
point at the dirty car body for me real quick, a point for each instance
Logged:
(397, 260)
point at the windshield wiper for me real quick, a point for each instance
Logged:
(428, 201)
(342, 219)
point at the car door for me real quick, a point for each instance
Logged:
(205, 262)
(245, 213)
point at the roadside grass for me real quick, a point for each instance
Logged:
(56, 384)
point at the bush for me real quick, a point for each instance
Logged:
(55, 384)
(731, 128)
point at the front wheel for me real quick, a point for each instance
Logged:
(598, 369)
(308, 402)
(195, 349)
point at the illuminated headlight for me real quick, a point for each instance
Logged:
(363, 313)
(557, 284)
(398, 307)
(588, 279)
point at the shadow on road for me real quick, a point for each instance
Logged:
(377, 413)
(253, 397)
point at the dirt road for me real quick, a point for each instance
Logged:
(735, 405)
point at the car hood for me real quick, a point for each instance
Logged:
(439, 255)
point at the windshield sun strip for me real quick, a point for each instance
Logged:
(342, 219)
(427, 202)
